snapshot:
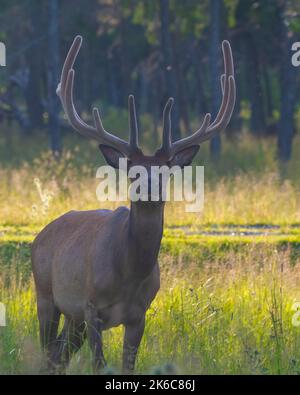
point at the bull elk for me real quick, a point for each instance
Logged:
(99, 268)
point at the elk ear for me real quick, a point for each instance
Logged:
(111, 155)
(184, 157)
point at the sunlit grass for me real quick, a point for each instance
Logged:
(233, 316)
(252, 192)
(225, 305)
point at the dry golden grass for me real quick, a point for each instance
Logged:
(245, 186)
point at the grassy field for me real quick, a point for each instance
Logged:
(230, 313)
(230, 275)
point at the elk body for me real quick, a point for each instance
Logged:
(99, 268)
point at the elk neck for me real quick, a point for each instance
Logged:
(145, 234)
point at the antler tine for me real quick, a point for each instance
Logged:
(194, 139)
(62, 86)
(226, 115)
(107, 138)
(229, 71)
(223, 79)
(223, 117)
(65, 92)
(133, 126)
(71, 112)
(68, 65)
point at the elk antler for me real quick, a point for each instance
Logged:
(65, 92)
(207, 130)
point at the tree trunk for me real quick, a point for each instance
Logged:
(53, 77)
(180, 71)
(113, 81)
(33, 86)
(215, 7)
(269, 97)
(169, 69)
(257, 122)
(288, 88)
(201, 101)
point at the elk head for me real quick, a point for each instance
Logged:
(179, 153)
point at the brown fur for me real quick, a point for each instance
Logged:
(77, 268)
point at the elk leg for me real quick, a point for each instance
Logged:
(94, 334)
(132, 339)
(75, 339)
(48, 316)
(69, 342)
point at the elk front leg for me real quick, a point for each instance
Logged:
(69, 342)
(94, 335)
(49, 317)
(132, 339)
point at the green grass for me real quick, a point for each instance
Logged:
(231, 315)
(15, 245)
(228, 284)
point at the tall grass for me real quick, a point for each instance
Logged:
(232, 316)
(246, 186)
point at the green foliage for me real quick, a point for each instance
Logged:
(231, 6)
(190, 17)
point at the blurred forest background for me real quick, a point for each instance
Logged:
(153, 49)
